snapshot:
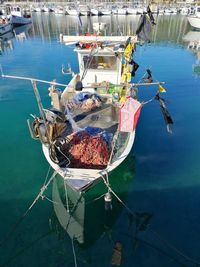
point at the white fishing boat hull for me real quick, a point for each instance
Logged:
(5, 28)
(72, 12)
(95, 12)
(120, 11)
(82, 179)
(194, 21)
(105, 12)
(131, 11)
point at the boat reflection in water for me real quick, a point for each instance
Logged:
(20, 34)
(85, 217)
(193, 40)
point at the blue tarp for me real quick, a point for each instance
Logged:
(82, 96)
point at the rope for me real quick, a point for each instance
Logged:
(13, 228)
(63, 155)
(47, 175)
(74, 254)
(95, 199)
(5, 264)
(110, 189)
(172, 247)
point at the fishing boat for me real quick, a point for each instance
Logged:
(89, 124)
(194, 19)
(5, 26)
(89, 129)
(18, 17)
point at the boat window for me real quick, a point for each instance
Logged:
(198, 9)
(100, 62)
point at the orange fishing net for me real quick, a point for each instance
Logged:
(87, 151)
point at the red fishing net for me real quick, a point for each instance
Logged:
(87, 151)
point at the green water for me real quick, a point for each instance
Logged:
(160, 178)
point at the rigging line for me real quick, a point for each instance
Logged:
(175, 249)
(116, 195)
(47, 175)
(74, 253)
(152, 231)
(73, 210)
(52, 201)
(5, 264)
(95, 199)
(160, 250)
(13, 228)
(64, 156)
(153, 247)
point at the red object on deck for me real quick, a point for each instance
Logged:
(87, 151)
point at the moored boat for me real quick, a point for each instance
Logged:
(94, 83)
(194, 19)
(5, 26)
(19, 18)
(89, 129)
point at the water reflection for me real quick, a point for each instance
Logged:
(168, 28)
(192, 40)
(19, 33)
(48, 26)
(83, 216)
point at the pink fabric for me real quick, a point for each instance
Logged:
(129, 115)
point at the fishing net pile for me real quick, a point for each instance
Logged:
(85, 101)
(89, 148)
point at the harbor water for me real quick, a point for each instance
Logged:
(159, 181)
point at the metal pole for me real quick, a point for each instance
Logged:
(39, 102)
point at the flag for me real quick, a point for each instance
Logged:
(148, 76)
(167, 117)
(129, 115)
(150, 16)
(161, 89)
(144, 29)
(145, 25)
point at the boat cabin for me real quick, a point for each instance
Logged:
(100, 65)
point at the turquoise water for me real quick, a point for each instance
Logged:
(165, 168)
